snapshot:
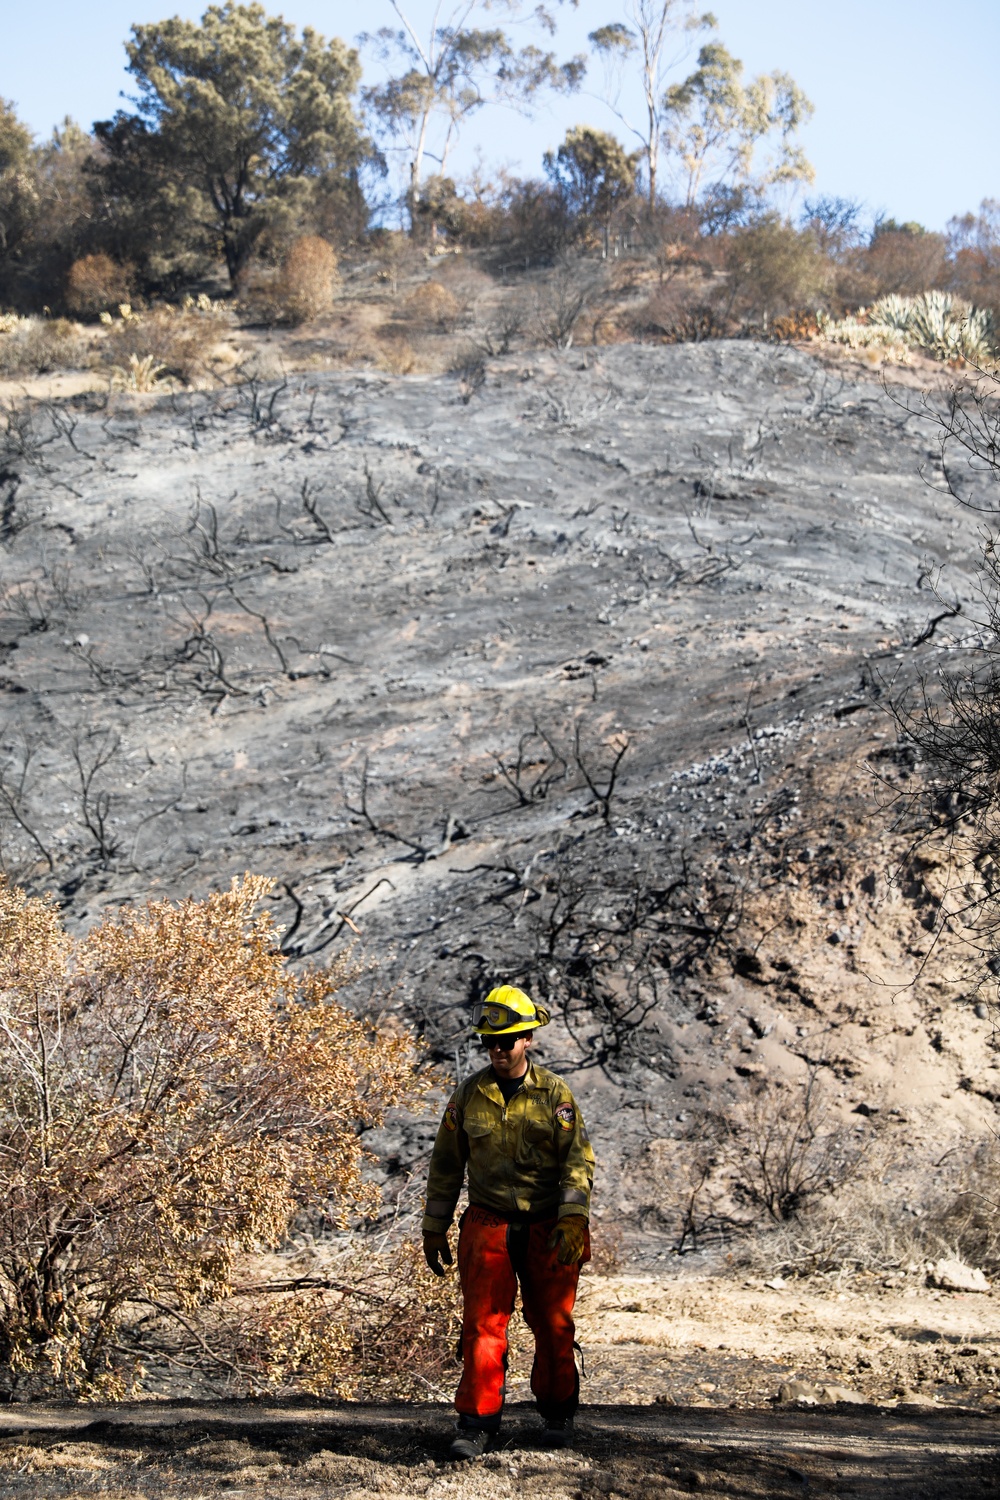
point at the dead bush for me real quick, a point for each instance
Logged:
(365, 1324)
(781, 1146)
(767, 1156)
(171, 1098)
(308, 280)
(177, 341)
(94, 284)
(431, 308)
(967, 1223)
(496, 329)
(34, 346)
(684, 311)
(866, 1226)
(560, 301)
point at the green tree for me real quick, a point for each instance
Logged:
(594, 173)
(17, 189)
(643, 38)
(719, 128)
(238, 122)
(773, 269)
(438, 83)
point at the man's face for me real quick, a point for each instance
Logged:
(513, 1063)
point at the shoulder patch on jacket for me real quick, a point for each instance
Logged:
(566, 1117)
(451, 1118)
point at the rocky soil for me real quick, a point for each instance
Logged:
(634, 1452)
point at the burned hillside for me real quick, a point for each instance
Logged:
(572, 675)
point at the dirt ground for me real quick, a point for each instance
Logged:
(633, 1452)
(683, 1392)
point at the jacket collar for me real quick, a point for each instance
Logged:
(487, 1085)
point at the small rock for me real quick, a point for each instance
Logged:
(777, 1283)
(910, 1397)
(807, 1394)
(797, 1390)
(832, 1394)
(955, 1276)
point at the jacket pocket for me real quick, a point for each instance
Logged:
(477, 1126)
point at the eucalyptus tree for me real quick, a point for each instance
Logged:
(437, 80)
(651, 40)
(594, 173)
(734, 136)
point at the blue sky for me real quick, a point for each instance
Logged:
(903, 91)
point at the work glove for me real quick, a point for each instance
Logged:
(436, 1250)
(570, 1234)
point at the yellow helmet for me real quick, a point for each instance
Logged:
(507, 1009)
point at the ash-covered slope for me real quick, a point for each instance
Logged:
(567, 679)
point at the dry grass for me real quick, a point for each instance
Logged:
(180, 341)
(36, 346)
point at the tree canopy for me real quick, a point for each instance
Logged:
(459, 68)
(719, 128)
(593, 171)
(237, 120)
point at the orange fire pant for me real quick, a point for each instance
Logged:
(493, 1256)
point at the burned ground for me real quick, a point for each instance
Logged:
(578, 678)
(568, 679)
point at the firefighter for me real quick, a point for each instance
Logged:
(517, 1130)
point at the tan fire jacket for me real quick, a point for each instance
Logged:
(532, 1156)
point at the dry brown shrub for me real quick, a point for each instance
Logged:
(396, 356)
(904, 261)
(796, 325)
(375, 1325)
(172, 1096)
(772, 270)
(178, 340)
(94, 284)
(431, 308)
(308, 280)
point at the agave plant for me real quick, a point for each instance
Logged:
(139, 374)
(941, 325)
(892, 311)
(948, 328)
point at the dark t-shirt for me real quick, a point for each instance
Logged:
(507, 1086)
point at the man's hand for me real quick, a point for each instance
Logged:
(571, 1236)
(436, 1250)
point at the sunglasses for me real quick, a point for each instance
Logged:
(504, 1043)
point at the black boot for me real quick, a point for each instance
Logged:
(557, 1432)
(469, 1442)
